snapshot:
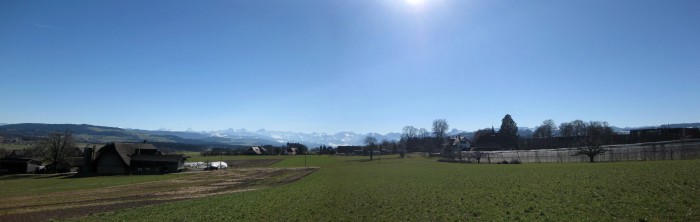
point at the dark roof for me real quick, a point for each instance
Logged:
(74, 161)
(257, 150)
(460, 140)
(126, 150)
(16, 153)
(158, 158)
(19, 160)
(76, 152)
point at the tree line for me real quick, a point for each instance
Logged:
(589, 137)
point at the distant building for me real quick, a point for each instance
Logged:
(300, 148)
(488, 141)
(460, 143)
(349, 150)
(131, 158)
(256, 150)
(291, 151)
(663, 134)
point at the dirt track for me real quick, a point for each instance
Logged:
(70, 204)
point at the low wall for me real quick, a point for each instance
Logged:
(668, 150)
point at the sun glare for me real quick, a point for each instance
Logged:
(415, 2)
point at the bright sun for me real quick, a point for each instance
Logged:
(415, 2)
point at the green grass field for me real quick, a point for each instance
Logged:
(195, 157)
(420, 189)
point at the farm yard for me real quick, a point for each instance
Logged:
(41, 204)
(414, 188)
(361, 110)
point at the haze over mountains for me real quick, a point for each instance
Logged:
(227, 137)
(261, 136)
(235, 137)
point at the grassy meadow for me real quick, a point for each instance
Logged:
(421, 189)
(196, 157)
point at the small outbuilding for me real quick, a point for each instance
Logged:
(16, 162)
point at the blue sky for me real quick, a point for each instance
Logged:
(363, 66)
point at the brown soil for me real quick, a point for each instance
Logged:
(62, 205)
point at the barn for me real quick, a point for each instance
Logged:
(132, 158)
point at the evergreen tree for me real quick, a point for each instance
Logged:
(508, 132)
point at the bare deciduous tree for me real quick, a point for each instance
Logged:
(573, 128)
(370, 142)
(409, 132)
(440, 128)
(566, 129)
(596, 134)
(478, 155)
(423, 133)
(56, 146)
(546, 130)
(579, 127)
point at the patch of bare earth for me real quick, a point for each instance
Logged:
(62, 205)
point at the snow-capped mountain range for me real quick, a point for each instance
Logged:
(310, 139)
(273, 137)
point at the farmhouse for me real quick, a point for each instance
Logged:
(131, 158)
(461, 143)
(16, 162)
(256, 150)
(291, 151)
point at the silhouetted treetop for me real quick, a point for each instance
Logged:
(508, 127)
